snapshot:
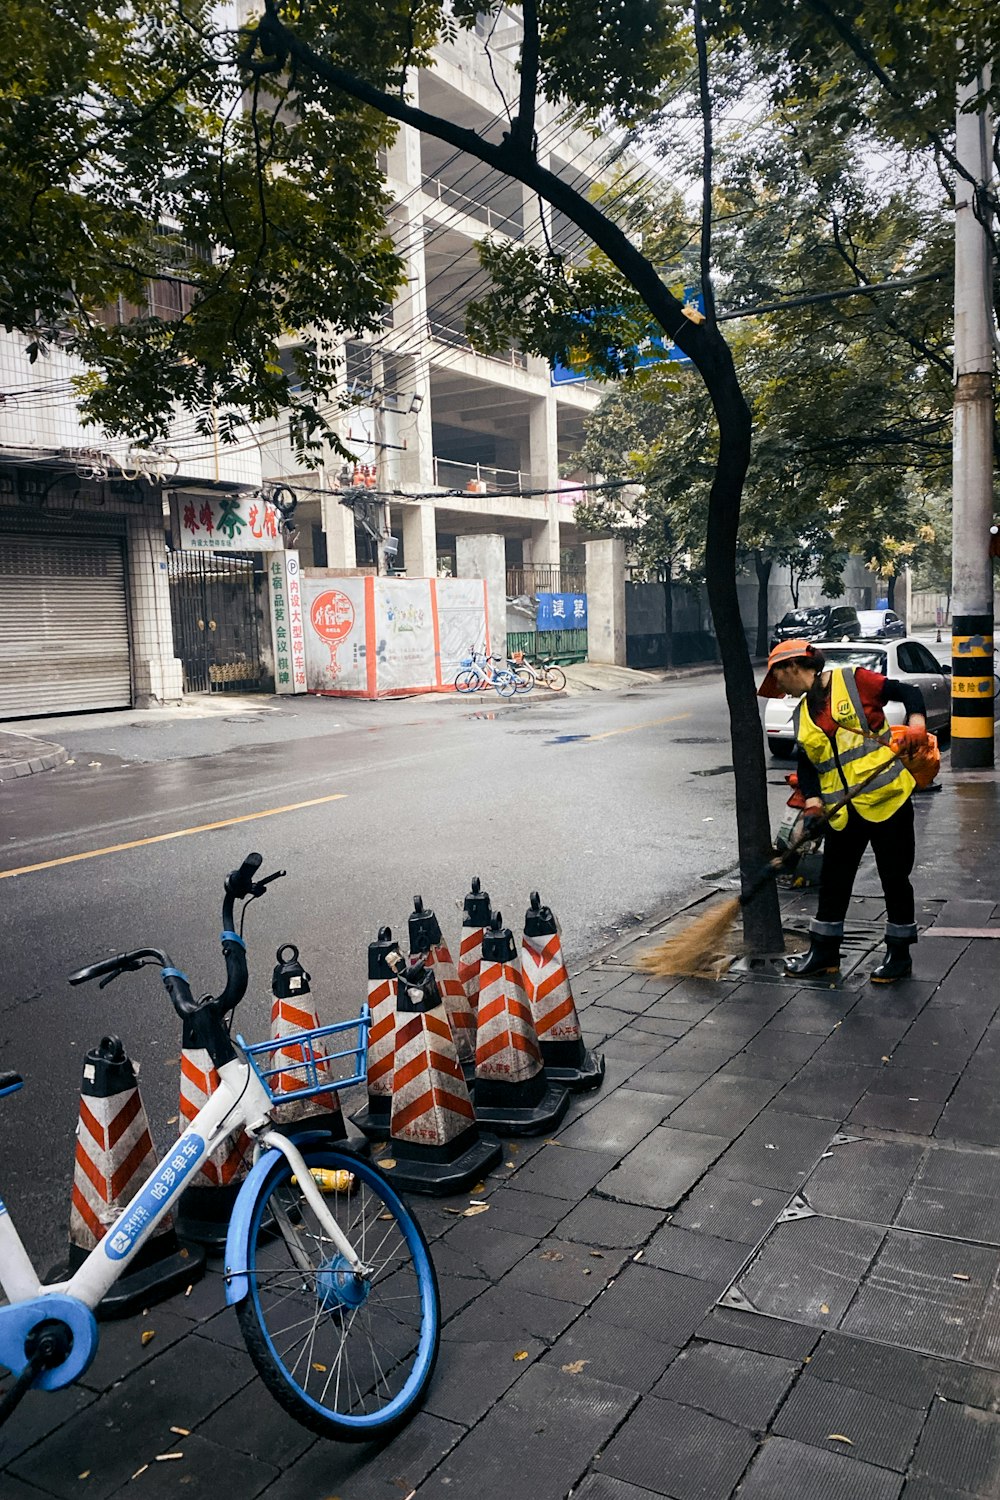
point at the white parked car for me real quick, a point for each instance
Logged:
(906, 660)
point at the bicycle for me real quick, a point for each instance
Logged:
(478, 671)
(553, 677)
(321, 1251)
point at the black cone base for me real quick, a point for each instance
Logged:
(529, 1108)
(373, 1118)
(427, 1169)
(572, 1066)
(162, 1267)
(203, 1216)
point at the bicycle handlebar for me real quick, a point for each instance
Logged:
(239, 886)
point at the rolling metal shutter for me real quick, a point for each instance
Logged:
(63, 624)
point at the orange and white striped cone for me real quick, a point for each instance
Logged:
(204, 1210)
(476, 918)
(553, 1009)
(434, 1140)
(292, 1012)
(427, 946)
(114, 1156)
(384, 958)
(512, 1094)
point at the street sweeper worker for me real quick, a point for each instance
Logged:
(842, 742)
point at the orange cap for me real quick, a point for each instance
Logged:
(784, 651)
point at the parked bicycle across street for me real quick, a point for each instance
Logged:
(335, 1291)
(479, 670)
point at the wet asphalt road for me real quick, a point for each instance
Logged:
(594, 800)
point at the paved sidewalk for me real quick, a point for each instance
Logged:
(763, 1261)
(24, 755)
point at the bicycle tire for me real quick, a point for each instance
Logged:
(505, 684)
(466, 681)
(555, 678)
(318, 1305)
(524, 679)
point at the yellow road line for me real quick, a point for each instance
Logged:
(178, 833)
(631, 728)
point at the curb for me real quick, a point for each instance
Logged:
(35, 756)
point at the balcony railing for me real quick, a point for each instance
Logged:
(457, 338)
(545, 578)
(442, 192)
(477, 479)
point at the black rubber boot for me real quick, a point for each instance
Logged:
(897, 963)
(822, 957)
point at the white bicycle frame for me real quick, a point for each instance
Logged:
(240, 1101)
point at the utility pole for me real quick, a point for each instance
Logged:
(972, 451)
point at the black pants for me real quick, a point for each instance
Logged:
(893, 846)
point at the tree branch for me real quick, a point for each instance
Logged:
(522, 131)
(705, 97)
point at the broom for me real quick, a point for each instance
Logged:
(700, 948)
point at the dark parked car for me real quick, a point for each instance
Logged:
(880, 625)
(821, 622)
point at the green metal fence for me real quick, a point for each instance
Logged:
(544, 645)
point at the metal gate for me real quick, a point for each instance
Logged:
(216, 619)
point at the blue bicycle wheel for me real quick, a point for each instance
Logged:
(348, 1356)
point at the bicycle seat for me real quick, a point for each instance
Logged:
(10, 1083)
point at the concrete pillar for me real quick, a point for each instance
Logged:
(338, 523)
(606, 601)
(484, 557)
(157, 674)
(419, 539)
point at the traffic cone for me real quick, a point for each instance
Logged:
(428, 947)
(553, 1010)
(434, 1139)
(384, 958)
(512, 1094)
(114, 1156)
(204, 1210)
(478, 914)
(292, 1011)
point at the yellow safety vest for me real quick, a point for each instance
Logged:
(852, 759)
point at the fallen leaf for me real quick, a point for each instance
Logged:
(181, 1431)
(838, 1437)
(959, 1276)
(147, 1334)
(162, 1458)
(824, 1308)
(172, 1120)
(597, 1254)
(475, 1208)
(588, 1271)
(457, 1211)
(576, 1367)
(319, 1367)
(84, 1475)
(552, 1255)
(553, 1143)
(885, 1059)
(510, 1163)
(480, 1187)
(387, 1163)
(521, 1354)
(391, 1216)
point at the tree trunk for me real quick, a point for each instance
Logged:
(668, 620)
(890, 592)
(761, 916)
(763, 571)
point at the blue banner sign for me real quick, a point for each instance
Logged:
(653, 352)
(561, 612)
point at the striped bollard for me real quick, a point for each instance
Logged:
(114, 1156)
(477, 916)
(512, 1094)
(427, 946)
(553, 1009)
(435, 1143)
(204, 1209)
(384, 959)
(293, 1011)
